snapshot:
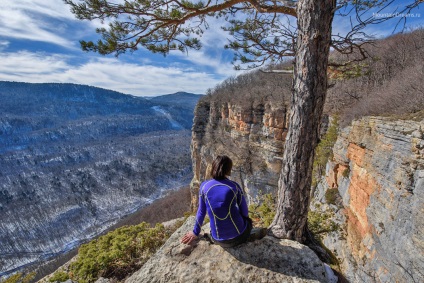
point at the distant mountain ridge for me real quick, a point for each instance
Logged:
(28, 108)
(179, 98)
(75, 159)
(15, 93)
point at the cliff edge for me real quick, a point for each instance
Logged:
(265, 260)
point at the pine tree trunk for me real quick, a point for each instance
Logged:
(314, 18)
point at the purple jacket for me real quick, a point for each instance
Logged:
(226, 206)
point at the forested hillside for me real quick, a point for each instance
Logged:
(388, 82)
(75, 159)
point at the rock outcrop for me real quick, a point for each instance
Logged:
(378, 172)
(266, 260)
(252, 134)
(372, 192)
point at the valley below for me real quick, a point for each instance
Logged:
(70, 170)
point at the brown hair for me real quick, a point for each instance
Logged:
(221, 167)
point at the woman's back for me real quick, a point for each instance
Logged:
(226, 207)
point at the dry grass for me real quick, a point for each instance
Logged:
(172, 206)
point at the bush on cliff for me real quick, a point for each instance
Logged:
(331, 195)
(19, 278)
(118, 253)
(59, 276)
(320, 222)
(263, 213)
(324, 150)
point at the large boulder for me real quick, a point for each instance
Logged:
(265, 260)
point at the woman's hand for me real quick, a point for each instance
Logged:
(188, 238)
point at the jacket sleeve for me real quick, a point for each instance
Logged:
(201, 212)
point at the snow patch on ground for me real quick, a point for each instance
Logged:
(175, 125)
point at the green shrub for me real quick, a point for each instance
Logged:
(324, 151)
(346, 172)
(263, 213)
(59, 276)
(320, 222)
(19, 278)
(331, 195)
(118, 253)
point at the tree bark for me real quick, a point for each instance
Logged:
(314, 18)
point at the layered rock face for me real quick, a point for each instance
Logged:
(378, 172)
(266, 260)
(252, 134)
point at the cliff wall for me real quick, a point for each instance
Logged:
(377, 181)
(372, 190)
(252, 134)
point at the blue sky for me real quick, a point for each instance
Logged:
(39, 42)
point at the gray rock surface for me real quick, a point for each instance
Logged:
(103, 280)
(378, 170)
(265, 260)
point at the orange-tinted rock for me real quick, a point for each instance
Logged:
(378, 170)
(356, 154)
(362, 185)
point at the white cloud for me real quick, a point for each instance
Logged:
(29, 20)
(139, 79)
(51, 8)
(51, 21)
(110, 73)
(46, 21)
(4, 44)
(202, 58)
(212, 54)
(22, 64)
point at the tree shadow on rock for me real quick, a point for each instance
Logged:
(281, 256)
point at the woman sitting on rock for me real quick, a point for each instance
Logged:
(226, 205)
